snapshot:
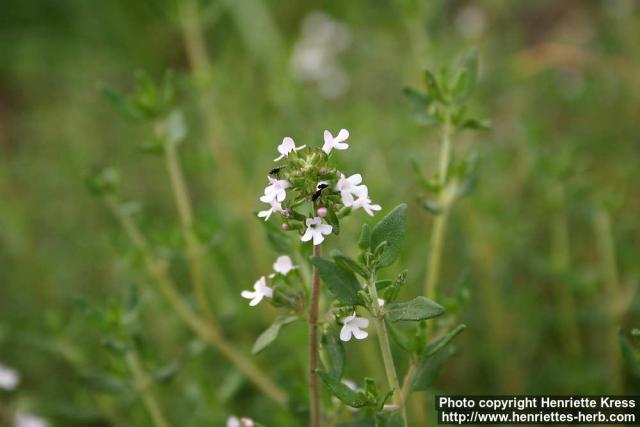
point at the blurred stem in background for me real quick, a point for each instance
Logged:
(484, 260)
(142, 385)
(561, 262)
(209, 330)
(612, 296)
(195, 251)
(313, 342)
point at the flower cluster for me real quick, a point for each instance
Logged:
(282, 266)
(240, 422)
(309, 193)
(9, 380)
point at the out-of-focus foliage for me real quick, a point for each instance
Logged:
(543, 253)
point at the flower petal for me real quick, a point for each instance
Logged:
(359, 334)
(345, 333)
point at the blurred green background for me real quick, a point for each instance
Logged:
(547, 244)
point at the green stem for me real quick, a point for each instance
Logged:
(440, 222)
(385, 349)
(612, 291)
(185, 212)
(141, 384)
(313, 342)
(208, 330)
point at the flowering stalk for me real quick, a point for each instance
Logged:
(209, 330)
(313, 342)
(141, 384)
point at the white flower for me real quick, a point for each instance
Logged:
(275, 191)
(349, 187)
(275, 207)
(9, 378)
(283, 265)
(240, 422)
(338, 142)
(261, 290)
(287, 146)
(28, 420)
(380, 302)
(315, 230)
(353, 325)
(363, 201)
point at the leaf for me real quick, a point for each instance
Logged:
(353, 398)
(430, 368)
(391, 228)
(433, 89)
(630, 355)
(420, 106)
(443, 341)
(383, 284)
(475, 124)
(166, 373)
(466, 75)
(278, 239)
(348, 263)
(332, 353)
(120, 102)
(365, 237)
(432, 206)
(419, 308)
(426, 183)
(341, 282)
(271, 333)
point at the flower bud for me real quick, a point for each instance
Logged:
(322, 171)
(286, 213)
(285, 226)
(322, 212)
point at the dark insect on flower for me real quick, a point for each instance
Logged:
(275, 171)
(318, 193)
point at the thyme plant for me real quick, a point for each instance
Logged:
(310, 197)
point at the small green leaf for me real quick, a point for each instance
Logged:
(433, 89)
(383, 284)
(365, 237)
(341, 282)
(121, 103)
(443, 341)
(420, 106)
(355, 399)
(466, 75)
(419, 308)
(432, 207)
(332, 353)
(391, 228)
(348, 263)
(166, 373)
(430, 368)
(475, 124)
(630, 355)
(271, 333)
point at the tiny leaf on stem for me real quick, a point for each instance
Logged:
(355, 399)
(271, 333)
(332, 353)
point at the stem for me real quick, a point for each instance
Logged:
(209, 330)
(185, 212)
(141, 384)
(313, 342)
(385, 348)
(440, 222)
(612, 290)
(561, 257)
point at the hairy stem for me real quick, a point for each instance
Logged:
(208, 330)
(440, 221)
(141, 384)
(385, 349)
(313, 342)
(194, 247)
